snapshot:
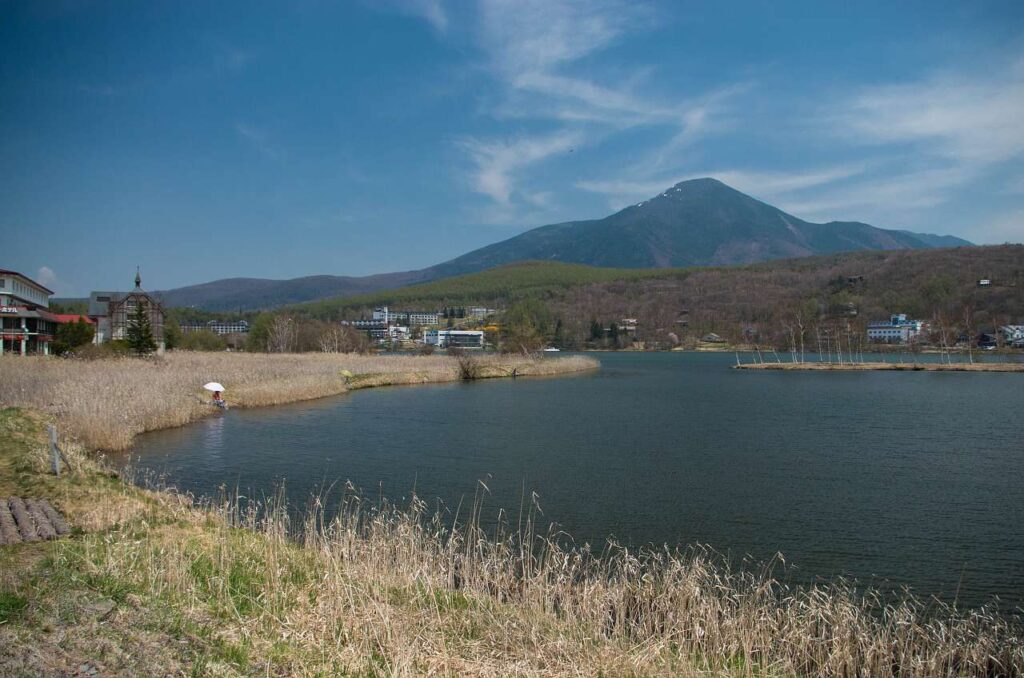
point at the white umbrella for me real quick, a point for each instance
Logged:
(213, 386)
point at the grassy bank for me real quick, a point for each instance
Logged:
(149, 584)
(892, 367)
(104, 404)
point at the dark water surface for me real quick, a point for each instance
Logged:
(892, 478)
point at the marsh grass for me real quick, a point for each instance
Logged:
(396, 591)
(242, 588)
(104, 404)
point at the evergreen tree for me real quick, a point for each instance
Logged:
(558, 338)
(596, 331)
(613, 334)
(140, 332)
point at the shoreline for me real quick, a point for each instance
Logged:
(105, 403)
(883, 366)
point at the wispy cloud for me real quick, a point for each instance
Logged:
(971, 118)
(258, 138)
(48, 278)
(918, 144)
(539, 54)
(761, 184)
(933, 137)
(431, 11)
(499, 161)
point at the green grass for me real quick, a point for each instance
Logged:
(11, 605)
(504, 283)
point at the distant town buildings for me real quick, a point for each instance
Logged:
(454, 338)
(898, 330)
(1013, 335)
(112, 312)
(26, 326)
(408, 317)
(218, 327)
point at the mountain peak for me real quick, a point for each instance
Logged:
(701, 182)
(700, 187)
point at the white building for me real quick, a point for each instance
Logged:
(898, 330)
(454, 338)
(218, 327)
(1013, 335)
(26, 326)
(408, 317)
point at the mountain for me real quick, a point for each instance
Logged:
(695, 223)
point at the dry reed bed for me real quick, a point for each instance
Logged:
(897, 367)
(106, 403)
(395, 592)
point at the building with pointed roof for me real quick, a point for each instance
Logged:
(112, 313)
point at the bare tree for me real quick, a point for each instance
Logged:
(282, 334)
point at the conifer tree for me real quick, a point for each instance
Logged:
(140, 332)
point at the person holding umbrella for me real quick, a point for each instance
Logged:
(217, 399)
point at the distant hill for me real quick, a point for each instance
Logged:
(695, 223)
(246, 294)
(847, 289)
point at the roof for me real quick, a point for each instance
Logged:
(71, 318)
(4, 271)
(101, 308)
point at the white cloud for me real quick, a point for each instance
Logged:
(919, 146)
(936, 136)
(432, 11)
(46, 277)
(499, 161)
(537, 51)
(258, 138)
(764, 185)
(968, 118)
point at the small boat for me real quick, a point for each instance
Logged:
(552, 349)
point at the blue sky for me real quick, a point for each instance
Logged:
(206, 140)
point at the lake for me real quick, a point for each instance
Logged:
(892, 478)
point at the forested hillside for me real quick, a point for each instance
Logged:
(754, 302)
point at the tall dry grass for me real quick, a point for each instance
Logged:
(106, 403)
(396, 592)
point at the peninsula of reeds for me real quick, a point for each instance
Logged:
(105, 403)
